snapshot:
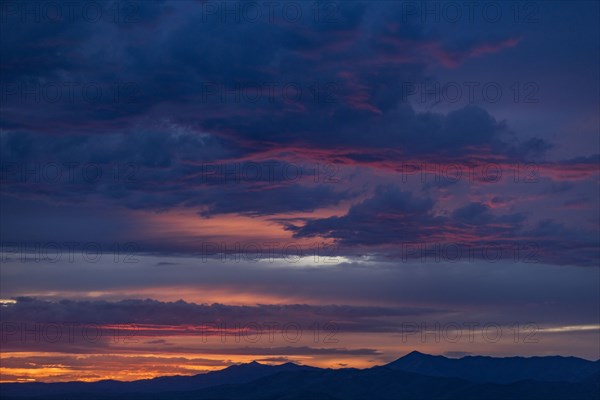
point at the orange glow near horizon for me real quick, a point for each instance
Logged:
(188, 355)
(191, 228)
(135, 367)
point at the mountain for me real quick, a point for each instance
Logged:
(498, 370)
(235, 374)
(382, 383)
(256, 381)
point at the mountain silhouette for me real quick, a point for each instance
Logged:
(414, 376)
(237, 374)
(498, 370)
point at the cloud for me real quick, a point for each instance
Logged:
(397, 218)
(159, 171)
(180, 314)
(358, 66)
(389, 216)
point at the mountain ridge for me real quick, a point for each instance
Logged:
(412, 375)
(498, 369)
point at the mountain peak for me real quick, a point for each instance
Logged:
(416, 358)
(254, 364)
(245, 366)
(415, 355)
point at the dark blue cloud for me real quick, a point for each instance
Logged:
(358, 63)
(399, 219)
(389, 216)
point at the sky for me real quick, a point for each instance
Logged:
(187, 185)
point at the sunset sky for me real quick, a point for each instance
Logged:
(187, 185)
